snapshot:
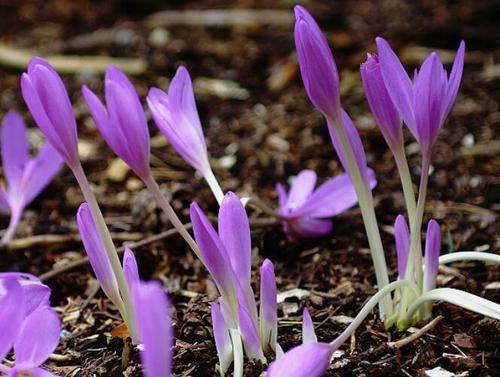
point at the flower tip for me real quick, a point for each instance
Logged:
(84, 207)
(299, 11)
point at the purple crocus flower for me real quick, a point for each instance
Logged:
(176, 116)
(26, 177)
(424, 103)
(432, 251)
(304, 211)
(307, 360)
(152, 310)
(49, 104)
(268, 306)
(226, 256)
(122, 122)
(383, 109)
(317, 65)
(402, 237)
(34, 336)
(98, 258)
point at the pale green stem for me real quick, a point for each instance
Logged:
(154, 189)
(469, 255)
(15, 217)
(367, 308)
(414, 266)
(214, 185)
(406, 183)
(126, 307)
(365, 200)
(237, 352)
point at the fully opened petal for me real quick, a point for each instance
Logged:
(301, 188)
(11, 313)
(38, 337)
(14, 148)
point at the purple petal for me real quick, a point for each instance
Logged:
(249, 334)
(39, 172)
(282, 199)
(152, 311)
(38, 337)
(301, 188)
(385, 113)
(49, 104)
(176, 116)
(432, 251)
(307, 360)
(402, 237)
(430, 91)
(454, 80)
(19, 370)
(35, 294)
(317, 65)
(11, 312)
(14, 147)
(4, 201)
(234, 232)
(268, 306)
(213, 252)
(333, 197)
(222, 338)
(96, 252)
(130, 269)
(307, 227)
(308, 333)
(397, 82)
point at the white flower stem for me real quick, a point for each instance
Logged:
(469, 255)
(15, 217)
(154, 189)
(213, 183)
(126, 307)
(237, 352)
(406, 184)
(365, 200)
(367, 308)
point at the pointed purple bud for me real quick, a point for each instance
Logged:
(307, 360)
(385, 113)
(234, 232)
(317, 65)
(402, 237)
(268, 306)
(152, 310)
(96, 252)
(432, 251)
(49, 104)
(222, 339)
(122, 122)
(176, 116)
(213, 252)
(308, 333)
(130, 269)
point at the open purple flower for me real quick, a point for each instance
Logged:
(26, 177)
(35, 294)
(33, 336)
(424, 103)
(122, 122)
(49, 104)
(304, 211)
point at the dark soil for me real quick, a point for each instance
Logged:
(270, 133)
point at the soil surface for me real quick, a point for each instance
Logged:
(261, 129)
